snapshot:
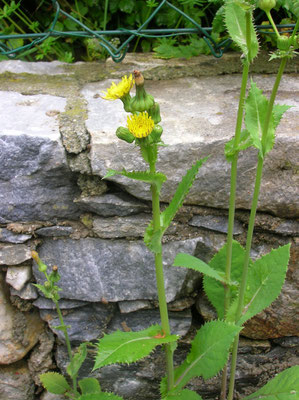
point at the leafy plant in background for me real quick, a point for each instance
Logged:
(237, 286)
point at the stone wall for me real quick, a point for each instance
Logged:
(57, 139)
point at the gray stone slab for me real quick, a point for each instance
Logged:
(40, 68)
(215, 223)
(116, 227)
(53, 231)
(131, 306)
(14, 254)
(35, 181)
(96, 269)
(110, 205)
(7, 236)
(198, 116)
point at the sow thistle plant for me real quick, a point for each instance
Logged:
(238, 287)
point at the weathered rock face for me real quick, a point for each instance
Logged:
(54, 200)
(17, 337)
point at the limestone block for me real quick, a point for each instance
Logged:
(198, 117)
(14, 254)
(17, 277)
(29, 292)
(130, 226)
(16, 382)
(35, 181)
(10, 237)
(19, 331)
(93, 269)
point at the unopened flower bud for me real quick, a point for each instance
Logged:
(124, 134)
(266, 5)
(154, 112)
(142, 101)
(156, 133)
(41, 266)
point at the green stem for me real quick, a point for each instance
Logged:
(233, 185)
(67, 340)
(160, 282)
(105, 14)
(272, 23)
(258, 179)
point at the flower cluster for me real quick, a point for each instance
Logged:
(142, 124)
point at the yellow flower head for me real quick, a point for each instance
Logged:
(140, 125)
(120, 90)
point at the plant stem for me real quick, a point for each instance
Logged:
(258, 179)
(160, 283)
(233, 185)
(67, 340)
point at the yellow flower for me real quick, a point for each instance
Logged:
(140, 125)
(120, 90)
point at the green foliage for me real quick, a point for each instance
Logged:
(128, 347)
(153, 239)
(215, 289)
(183, 395)
(234, 12)
(231, 149)
(100, 396)
(208, 355)
(169, 48)
(54, 383)
(188, 261)
(77, 360)
(265, 280)
(285, 386)
(145, 176)
(256, 106)
(89, 385)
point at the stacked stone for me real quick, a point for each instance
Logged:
(57, 140)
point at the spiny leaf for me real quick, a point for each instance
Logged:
(167, 215)
(214, 289)
(54, 383)
(77, 360)
(209, 352)
(188, 261)
(100, 396)
(145, 176)
(265, 280)
(183, 395)
(235, 20)
(128, 347)
(285, 386)
(278, 111)
(89, 385)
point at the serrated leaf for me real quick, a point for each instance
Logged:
(265, 280)
(191, 262)
(77, 360)
(285, 386)
(54, 383)
(183, 395)
(168, 214)
(128, 347)
(145, 176)
(256, 106)
(278, 111)
(89, 385)
(100, 396)
(235, 20)
(214, 289)
(209, 352)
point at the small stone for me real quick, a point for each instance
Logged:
(86, 323)
(10, 237)
(110, 205)
(79, 162)
(46, 304)
(288, 227)
(51, 396)
(130, 306)
(17, 277)
(19, 331)
(180, 322)
(289, 342)
(55, 231)
(91, 185)
(14, 254)
(215, 223)
(120, 227)
(181, 304)
(16, 382)
(29, 292)
(253, 346)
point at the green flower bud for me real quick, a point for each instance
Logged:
(283, 43)
(154, 112)
(156, 134)
(142, 101)
(266, 5)
(47, 285)
(124, 134)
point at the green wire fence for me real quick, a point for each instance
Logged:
(118, 53)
